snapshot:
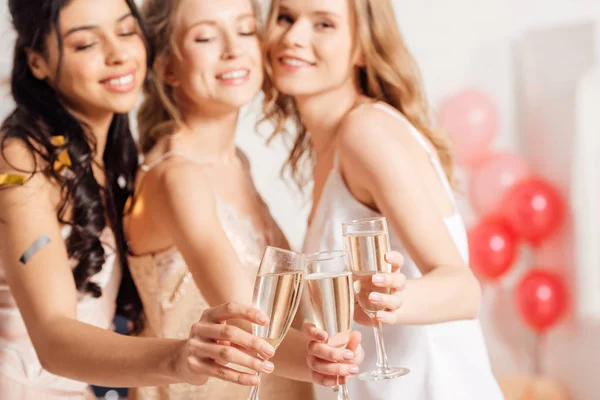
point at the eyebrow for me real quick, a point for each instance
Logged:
(91, 27)
(321, 13)
(212, 22)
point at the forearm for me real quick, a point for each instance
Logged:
(444, 294)
(85, 353)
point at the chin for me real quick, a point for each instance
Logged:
(122, 107)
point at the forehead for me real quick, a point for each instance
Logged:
(339, 7)
(193, 11)
(92, 13)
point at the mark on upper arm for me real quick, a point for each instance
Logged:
(36, 246)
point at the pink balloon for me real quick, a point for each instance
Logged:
(491, 179)
(471, 119)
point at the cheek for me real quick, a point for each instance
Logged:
(196, 61)
(138, 51)
(77, 73)
(338, 53)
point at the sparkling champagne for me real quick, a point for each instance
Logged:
(332, 304)
(367, 251)
(278, 296)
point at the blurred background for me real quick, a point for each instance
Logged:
(517, 85)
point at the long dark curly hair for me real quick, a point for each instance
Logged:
(40, 115)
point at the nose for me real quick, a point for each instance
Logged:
(297, 35)
(232, 48)
(116, 52)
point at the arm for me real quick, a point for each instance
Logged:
(384, 170)
(189, 214)
(45, 293)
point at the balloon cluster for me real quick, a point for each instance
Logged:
(515, 207)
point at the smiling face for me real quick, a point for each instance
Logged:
(103, 63)
(218, 60)
(309, 46)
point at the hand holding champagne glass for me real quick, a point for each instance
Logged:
(277, 293)
(329, 285)
(367, 242)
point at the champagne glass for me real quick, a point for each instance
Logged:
(329, 285)
(367, 241)
(277, 293)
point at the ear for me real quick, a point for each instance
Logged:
(37, 64)
(163, 68)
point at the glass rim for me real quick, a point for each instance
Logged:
(363, 221)
(326, 255)
(280, 250)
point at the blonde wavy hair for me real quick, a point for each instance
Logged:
(159, 115)
(390, 74)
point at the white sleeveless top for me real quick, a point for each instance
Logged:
(447, 361)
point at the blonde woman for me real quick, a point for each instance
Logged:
(341, 72)
(198, 227)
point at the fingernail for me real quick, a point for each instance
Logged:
(378, 278)
(354, 370)
(268, 351)
(262, 319)
(321, 335)
(267, 366)
(376, 297)
(348, 355)
(254, 380)
(380, 316)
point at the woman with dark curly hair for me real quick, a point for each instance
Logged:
(67, 163)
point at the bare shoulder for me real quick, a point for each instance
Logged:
(17, 159)
(369, 133)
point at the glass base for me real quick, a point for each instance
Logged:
(383, 374)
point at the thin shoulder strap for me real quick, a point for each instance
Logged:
(145, 168)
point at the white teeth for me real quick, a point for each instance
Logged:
(122, 81)
(240, 73)
(294, 62)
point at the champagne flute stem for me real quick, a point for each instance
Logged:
(343, 392)
(382, 362)
(255, 389)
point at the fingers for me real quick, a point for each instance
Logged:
(328, 353)
(328, 380)
(311, 332)
(234, 336)
(396, 259)
(324, 367)
(224, 355)
(388, 301)
(213, 369)
(224, 312)
(386, 317)
(395, 281)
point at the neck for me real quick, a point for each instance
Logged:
(213, 132)
(99, 126)
(322, 114)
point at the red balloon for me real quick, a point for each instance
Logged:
(492, 247)
(535, 209)
(542, 298)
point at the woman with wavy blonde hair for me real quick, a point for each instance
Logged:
(198, 227)
(340, 71)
